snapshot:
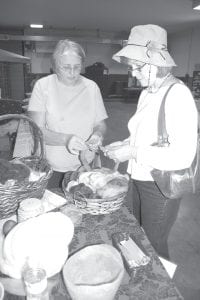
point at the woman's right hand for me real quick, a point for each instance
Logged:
(119, 151)
(76, 144)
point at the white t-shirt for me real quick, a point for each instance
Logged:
(68, 110)
(181, 124)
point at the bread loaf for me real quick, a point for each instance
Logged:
(114, 187)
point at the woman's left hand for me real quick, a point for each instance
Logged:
(94, 142)
(119, 153)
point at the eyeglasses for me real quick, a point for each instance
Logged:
(69, 69)
(136, 68)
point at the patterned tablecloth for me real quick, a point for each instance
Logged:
(151, 282)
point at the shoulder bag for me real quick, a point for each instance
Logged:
(174, 184)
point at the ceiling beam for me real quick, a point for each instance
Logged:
(43, 38)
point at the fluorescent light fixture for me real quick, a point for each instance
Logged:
(36, 26)
(196, 4)
(197, 7)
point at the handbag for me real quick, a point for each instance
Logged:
(174, 184)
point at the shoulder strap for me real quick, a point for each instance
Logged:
(162, 131)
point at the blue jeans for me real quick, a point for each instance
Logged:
(154, 212)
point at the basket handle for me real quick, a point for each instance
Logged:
(34, 126)
(81, 200)
(97, 157)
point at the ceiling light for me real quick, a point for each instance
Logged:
(196, 4)
(36, 26)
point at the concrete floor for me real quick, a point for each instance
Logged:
(184, 240)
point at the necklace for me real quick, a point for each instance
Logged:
(152, 89)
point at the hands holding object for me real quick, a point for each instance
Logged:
(76, 144)
(94, 142)
(119, 151)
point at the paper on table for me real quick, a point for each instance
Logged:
(51, 200)
(169, 266)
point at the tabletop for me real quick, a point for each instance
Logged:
(24, 141)
(150, 282)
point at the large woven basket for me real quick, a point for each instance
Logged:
(11, 196)
(92, 206)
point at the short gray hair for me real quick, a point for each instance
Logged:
(66, 45)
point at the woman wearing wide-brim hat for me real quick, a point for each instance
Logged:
(147, 56)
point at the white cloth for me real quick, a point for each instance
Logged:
(68, 110)
(181, 123)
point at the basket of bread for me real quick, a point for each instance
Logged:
(96, 190)
(23, 177)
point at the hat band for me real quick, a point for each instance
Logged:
(153, 47)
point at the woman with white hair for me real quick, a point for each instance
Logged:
(69, 109)
(147, 56)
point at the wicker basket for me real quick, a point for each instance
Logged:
(92, 206)
(12, 196)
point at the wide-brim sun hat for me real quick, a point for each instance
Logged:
(147, 44)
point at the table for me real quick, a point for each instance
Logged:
(151, 281)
